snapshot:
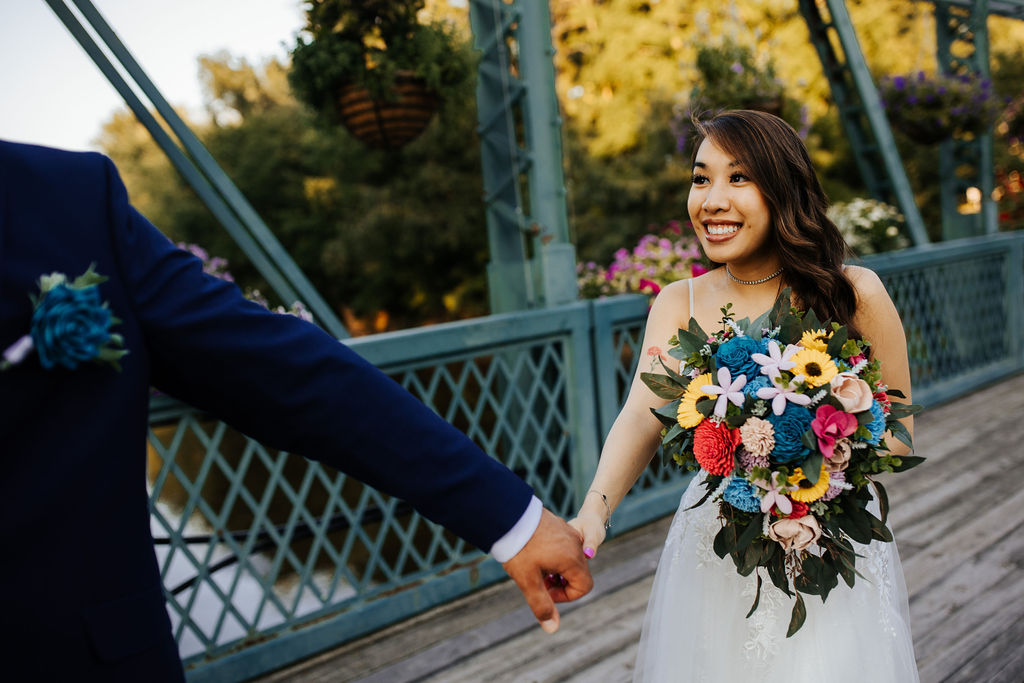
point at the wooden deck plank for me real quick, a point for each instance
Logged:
(958, 520)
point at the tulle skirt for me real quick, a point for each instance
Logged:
(695, 629)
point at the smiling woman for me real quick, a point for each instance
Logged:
(758, 210)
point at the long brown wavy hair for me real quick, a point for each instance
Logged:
(810, 247)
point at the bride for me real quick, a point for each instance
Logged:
(759, 210)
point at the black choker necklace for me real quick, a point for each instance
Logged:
(751, 282)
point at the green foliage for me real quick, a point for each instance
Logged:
(367, 43)
(389, 239)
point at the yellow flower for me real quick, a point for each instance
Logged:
(815, 339)
(816, 367)
(805, 492)
(688, 416)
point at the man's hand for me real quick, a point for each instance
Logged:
(554, 549)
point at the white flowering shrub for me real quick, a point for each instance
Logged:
(869, 226)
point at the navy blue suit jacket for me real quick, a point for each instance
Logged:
(80, 593)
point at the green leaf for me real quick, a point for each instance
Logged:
(750, 532)
(711, 489)
(908, 461)
(682, 381)
(854, 521)
(673, 433)
(895, 392)
(790, 330)
(810, 321)
(757, 598)
(663, 386)
(690, 343)
(724, 541)
(798, 617)
(810, 440)
(812, 467)
(777, 572)
(883, 499)
(735, 421)
(695, 329)
(879, 529)
(667, 414)
(706, 406)
(900, 410)
(89, 278)
(900, 431)
(836, 342)
(781, 306)
(865, 418)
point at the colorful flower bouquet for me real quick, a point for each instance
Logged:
(786, 416)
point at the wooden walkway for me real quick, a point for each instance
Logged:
(958, 518)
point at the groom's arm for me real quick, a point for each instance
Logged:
(292, 386)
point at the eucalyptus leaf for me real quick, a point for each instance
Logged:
(663, 386)
(695, 328)
(811, 322)
(724, 542)
(777, 572)
(750, 532)
(812, 467)
(683, 381)
(667, 414)
(706, 406)
(780, 307)
(673, 433)
(690, 343)
(883, 499)
(908, 461)
(757, 597)
(790, 330)
(799, 616)
(854, 521)
(836, 342)
(900, 410)
(899, 430)
(895, 392)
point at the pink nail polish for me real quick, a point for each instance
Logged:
(589, 552)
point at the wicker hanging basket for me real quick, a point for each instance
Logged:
(388, 124)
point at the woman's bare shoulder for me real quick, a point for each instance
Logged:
(865, 281)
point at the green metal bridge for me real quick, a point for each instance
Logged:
(269, 558)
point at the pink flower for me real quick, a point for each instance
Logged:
(727, 390)
(645, 284)
(851, 391)
(697, 270)
(830, 424)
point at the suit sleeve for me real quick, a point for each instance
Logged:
(292, 386)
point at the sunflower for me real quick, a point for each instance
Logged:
(816, 367)
(688, 415)
(805, 492)
(815, 339)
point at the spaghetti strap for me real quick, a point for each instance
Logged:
(690, 283)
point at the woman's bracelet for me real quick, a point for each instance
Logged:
(607, 508)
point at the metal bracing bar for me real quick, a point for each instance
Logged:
(210, 183)
(854, 115)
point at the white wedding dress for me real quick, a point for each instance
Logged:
(695, 629)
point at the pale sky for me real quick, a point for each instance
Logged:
(54, 95)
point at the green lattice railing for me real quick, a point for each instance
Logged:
(268, 558)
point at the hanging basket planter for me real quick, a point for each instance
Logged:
(388, 124)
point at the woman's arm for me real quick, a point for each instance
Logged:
(636, 433)
(879, 322)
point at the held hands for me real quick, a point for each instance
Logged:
(592, 522)
(555, 548)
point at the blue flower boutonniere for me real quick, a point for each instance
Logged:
(70, 325)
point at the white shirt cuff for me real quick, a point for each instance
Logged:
(509, 545)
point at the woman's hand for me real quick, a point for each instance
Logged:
(590, 526)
